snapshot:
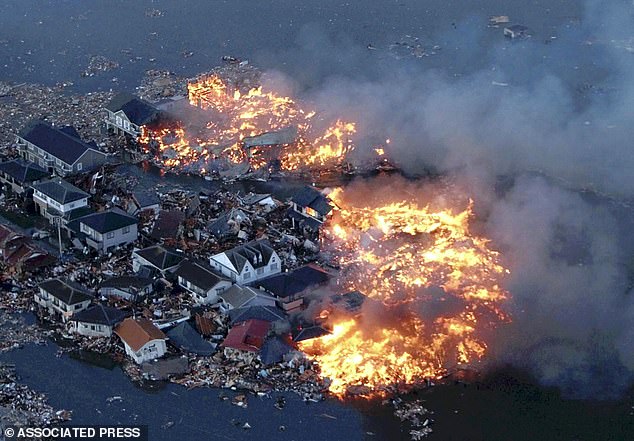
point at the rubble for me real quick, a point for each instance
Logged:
(98, 64)
(415, 414)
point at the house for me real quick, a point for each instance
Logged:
(58, 150)
(10, 240)
(127, 114)
(517, 32)
(19, 175)
(57, 198)
(63, 297)
(27, 257)
(290, 288)
(248, 263)
(187, 339)
(168, 225)
(141, 339)
(144, 201)
(247, 336)
(228, 224)
(97, 320)
(239, 297)
(106, 230)
(161, 259)
(309, 208)
(132, 288)
(271, 314)
(204, 283)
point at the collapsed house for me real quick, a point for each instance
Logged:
(142, 340)
(309, 209)
(290, 288)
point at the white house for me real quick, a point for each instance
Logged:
(131, 287)
(58, 150)
(204, 283)
(57, 198)
(97, 320)
(247, 263)
(157, 257)
(126, 114)
(142, 340)
(106, 230)
(63, 297)
(241, 297)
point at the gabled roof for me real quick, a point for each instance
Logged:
(145, 199)
(309, 332)
(238, 296)
(304, 220)
(259, 312)
(138, 111)
(247, 336)
(291, 283)
(106, 221)
(312, 198)
(160, 257)
(61, 191)
(186, 338)
(68, 292)
(61, 143)
(199, 274)
(250, 252)
(23, 171)
(227, 223)
(100, 315)
(137, 332)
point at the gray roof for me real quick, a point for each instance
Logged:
(68, 292)
(106, 221)
(23, 171)
(187, 339)
(199, 274)
(286, 135)
(238, 296)
(167, 224)
(160, 257)
(146, 198)
(126, 282)
(260, 312)
(223, 227)
(239, 256)
(61, 191)
(63, 143)
(138, 111)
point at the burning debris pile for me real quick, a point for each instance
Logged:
(434, 289)
(242, 121)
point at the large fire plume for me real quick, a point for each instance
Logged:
(292, 135)
(433, 289)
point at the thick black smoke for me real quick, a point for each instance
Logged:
(549, 160)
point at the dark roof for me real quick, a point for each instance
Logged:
(199, 274)
(226, 222)
(66, 291)
(146, 198)
(61, 191)
(23, 171)
(309, 332)
(138, 111)
(167, 224)
(238, 256)
(123, 282)
(106, 221)
(237, 296)
(61, 143)
(259, 312)
(100, 315)
(312, 198)
(160, 257)
(187, 339)
(291, 283)
(304, 221)
(274, 349)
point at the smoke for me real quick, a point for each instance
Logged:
(561, 126)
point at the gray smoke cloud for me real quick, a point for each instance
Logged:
(563, 125)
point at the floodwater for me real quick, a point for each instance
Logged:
(51, 41)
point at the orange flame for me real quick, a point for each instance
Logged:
(391, 252)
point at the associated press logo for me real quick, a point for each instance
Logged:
(9, 432)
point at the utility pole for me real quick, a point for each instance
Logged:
(58, 221)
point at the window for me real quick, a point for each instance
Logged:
(274, 266)
(79, 166)
(92, 327)
(246, 276)
(110, 235)
(126, 230)
(260, 270)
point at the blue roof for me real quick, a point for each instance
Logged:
(292, 283)
(187, 339)
(61, 143)
(138, 111)
(23, 171)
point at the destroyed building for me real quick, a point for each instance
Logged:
(309, 209)
(58, 150)
(158, 258)
(141, 339)
(128, 287)
(290, 288)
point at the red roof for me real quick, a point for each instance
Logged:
(138, 332)
(247, 336)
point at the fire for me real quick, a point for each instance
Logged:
(235, 116)
(433, 290)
